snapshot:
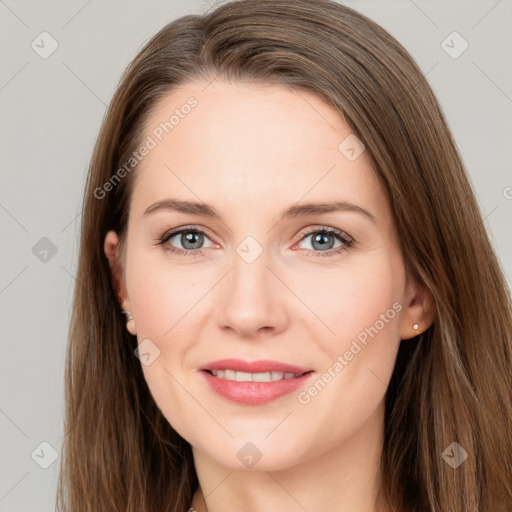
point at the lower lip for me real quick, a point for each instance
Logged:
(254, 393)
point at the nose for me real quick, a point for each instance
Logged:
(251, 300)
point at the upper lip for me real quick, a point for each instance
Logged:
(261, 366)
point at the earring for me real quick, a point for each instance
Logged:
(130, 323)
(415, 327)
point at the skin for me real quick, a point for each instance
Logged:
(251, 151)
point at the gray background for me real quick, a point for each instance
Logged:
(51, 110)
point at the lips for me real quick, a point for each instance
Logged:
(286, 378)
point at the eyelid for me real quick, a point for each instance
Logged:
(171, 233)
(340, 235)
(344, 238)
(326, 229)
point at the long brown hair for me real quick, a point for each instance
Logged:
(450, 384)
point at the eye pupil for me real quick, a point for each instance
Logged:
(189, 237)
(321, 239)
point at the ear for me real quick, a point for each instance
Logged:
(419, 309)
(112, 251)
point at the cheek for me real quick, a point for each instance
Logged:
(362, 306)
(352, 298)
(163, 300)
(169, 303)
(162, 296)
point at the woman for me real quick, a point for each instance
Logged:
(338, 334)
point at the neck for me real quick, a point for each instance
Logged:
(345, 478)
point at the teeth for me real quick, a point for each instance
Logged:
(229, 374)
(253, 377)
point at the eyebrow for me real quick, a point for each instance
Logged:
(297, 210)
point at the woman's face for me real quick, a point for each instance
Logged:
(261, 281)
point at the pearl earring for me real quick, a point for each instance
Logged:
(415, 327)
(130, 322)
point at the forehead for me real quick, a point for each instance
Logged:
(227, 142)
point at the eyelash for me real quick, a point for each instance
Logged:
(195, 253)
